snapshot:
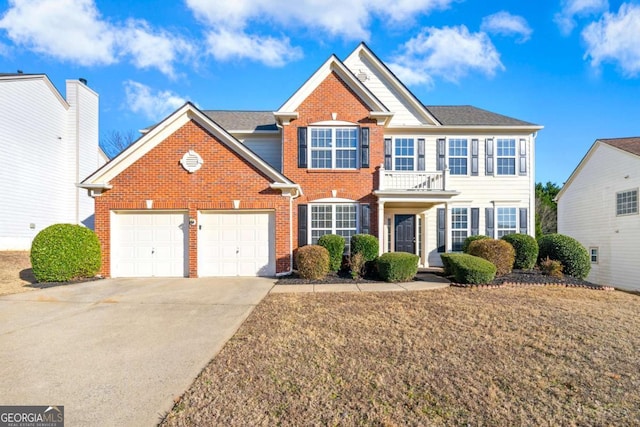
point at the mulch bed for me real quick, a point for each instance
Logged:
(515, 278)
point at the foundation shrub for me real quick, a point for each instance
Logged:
(498, 252)
(526, 249)
(397, 266)
(551, 267)
(568, 251)
(335, 245)
(469, 269)
(468, 240)
(312, 262)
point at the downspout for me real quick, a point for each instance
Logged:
(291, 198)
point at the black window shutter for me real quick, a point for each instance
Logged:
(365, 219)
(442, 221)
(489, 222)
(523, 157)
(387, 154)
(523, 220)
(364, 147)
(302, 225)
(302, 147)
(475, 221)
(421, 165)
(489, 156)
(440, 152)
(474, 157)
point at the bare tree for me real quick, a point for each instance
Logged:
(115, 141)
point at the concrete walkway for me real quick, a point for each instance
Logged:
(117, 352)
(429, 281)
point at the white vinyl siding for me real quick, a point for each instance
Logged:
(269, 149)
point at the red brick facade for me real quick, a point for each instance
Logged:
(334, 96)
(223, 177)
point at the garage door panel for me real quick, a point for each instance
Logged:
(149, 244)
(236, 244)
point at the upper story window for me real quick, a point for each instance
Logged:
(507, 221)
(627, 202)
(458, 155)
(505, 156)
(404, 154)
(334, 148)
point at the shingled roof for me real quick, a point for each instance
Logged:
(243, 120)
(631, 145)
(467, 115)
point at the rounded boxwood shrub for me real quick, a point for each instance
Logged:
(468, 240)
(526, 249)
(397, 266)
(335, 245)
(312, 262)
(447, 262)
(498, 252)
(62, 252)
(469, 269)
(365, 244)
(571, 254)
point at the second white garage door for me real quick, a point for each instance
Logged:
(236, 244)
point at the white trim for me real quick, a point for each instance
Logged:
(42, 77)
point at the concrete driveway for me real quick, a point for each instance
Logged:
(117, 351)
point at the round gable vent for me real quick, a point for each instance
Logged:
(191, 161)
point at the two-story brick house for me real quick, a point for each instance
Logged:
(207, 193)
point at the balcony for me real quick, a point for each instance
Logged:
(412, 181)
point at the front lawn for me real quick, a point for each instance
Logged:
(509, 356)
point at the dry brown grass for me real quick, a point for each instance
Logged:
(511, 356)
(15, 272)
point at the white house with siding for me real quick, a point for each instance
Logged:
(598, 206)
(48, 144)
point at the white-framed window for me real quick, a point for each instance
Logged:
(506, 156)
(338, 218)
(627, 202)
(458, 156)
(459, 228)
(507, 221)
(404, 154)
(593, 253)
(333, 148)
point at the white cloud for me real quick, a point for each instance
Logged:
(565, 19)
(450, 53)
(231, 22)
(225, 45)
(74, 31)
(504, 23)
(614, 38)
(153, 105)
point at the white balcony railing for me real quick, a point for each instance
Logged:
(412, 180)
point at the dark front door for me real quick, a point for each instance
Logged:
(405, 226)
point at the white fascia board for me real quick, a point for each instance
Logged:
(364, 50)
(476, 128)
(332, 64)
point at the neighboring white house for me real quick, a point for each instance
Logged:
(48, 144)
(598, 206)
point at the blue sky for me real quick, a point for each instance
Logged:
(572, 66)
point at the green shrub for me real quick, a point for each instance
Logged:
(526, 249)
(571, 254)
(468, 240)
(312, 262)
(447, 262)
(469, 269)
(335, 245)
(397, 266)
(365, 244)
(498, 252)
(551, 267)
(62, 252)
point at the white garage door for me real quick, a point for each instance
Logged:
(236, 244)
(149, 244)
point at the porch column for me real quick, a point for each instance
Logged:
(381, 233)
(447, 229)
(423, 240)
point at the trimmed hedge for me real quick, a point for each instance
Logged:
(365, 244)
(499, 252)
(526, 250)
(335, 245)
(469, 269)
(312, 262)
(447, 263)
(571, 254)
(397, 266)
(62, 252)
(468, 240)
